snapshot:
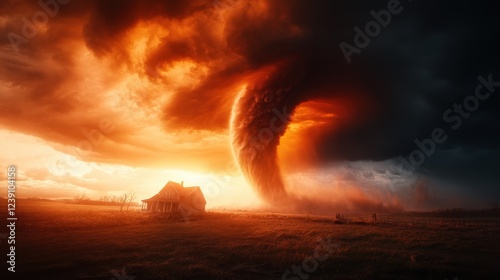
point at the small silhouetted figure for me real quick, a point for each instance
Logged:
(374, 217)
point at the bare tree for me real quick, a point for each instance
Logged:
(81, 198)
(131, 196)
(126, 199)
(122, 200)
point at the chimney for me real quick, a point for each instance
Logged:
(182, 183)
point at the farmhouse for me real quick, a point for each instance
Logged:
(174, 197)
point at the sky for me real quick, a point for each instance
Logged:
(260, 103)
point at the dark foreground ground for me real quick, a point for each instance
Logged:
(63, 241)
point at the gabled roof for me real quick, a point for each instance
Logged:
(182, 191)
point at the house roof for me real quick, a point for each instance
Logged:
(181, 190)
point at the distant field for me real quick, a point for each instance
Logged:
(65, 241)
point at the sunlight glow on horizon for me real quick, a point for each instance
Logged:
(56, 175)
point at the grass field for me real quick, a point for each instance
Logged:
(65, 241)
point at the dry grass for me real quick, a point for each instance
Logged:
(63, 241)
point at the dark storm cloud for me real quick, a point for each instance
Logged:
(427, 59)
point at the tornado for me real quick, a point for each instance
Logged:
(260, 116)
